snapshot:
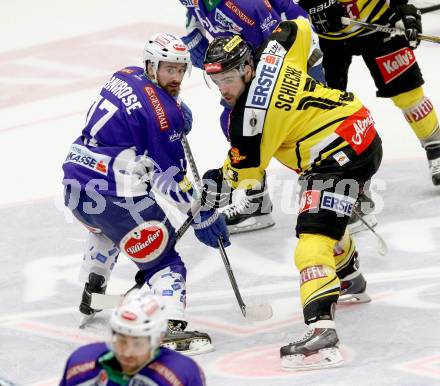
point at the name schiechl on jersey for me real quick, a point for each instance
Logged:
(289, 88)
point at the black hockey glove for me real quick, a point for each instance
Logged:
(411, 18)
(325, 14)
(216, 192)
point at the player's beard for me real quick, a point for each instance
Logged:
(173, 88)
(229, 99)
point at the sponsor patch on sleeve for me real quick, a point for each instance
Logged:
(358, 130)
(341, 158)
(82, 156)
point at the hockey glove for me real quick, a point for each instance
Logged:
(197, 45)
(216, 193)
(325, 15)
(209, 226)
(187, 117)
(410, 23)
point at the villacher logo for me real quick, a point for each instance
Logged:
(146, 242)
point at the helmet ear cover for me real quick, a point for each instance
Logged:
(227, 53)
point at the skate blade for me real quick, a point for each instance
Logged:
(197, 347)
(252, 224)
(86, 319)
(359, 226)
(354, 298)
(323, 359)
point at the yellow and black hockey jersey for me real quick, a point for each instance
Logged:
(370, 11)
(286, 114)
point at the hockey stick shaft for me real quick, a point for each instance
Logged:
(231, 277)
(382, 246)
(431, 8)
(257, 314)
(389, 30)
(192, 163)
(223, 254)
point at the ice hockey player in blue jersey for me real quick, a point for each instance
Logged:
(253, 20)
(130, 146)
(134, 355)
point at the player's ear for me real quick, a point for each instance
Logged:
(150, 71)
(248, 72)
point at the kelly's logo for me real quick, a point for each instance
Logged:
(396, 63)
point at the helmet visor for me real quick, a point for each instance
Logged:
(221, 79)
(226, 78)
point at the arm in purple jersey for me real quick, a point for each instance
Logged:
(195, 39)
(261, 17)
(82, 364)
(288, 9)
(169, 173)
(175, 366)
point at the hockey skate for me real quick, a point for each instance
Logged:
(94, 285)
(433, 154)
(317, 349)
(252, 212)
(186, 342)
(353, 289)
(364, 207)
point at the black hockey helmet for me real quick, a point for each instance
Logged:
(226, 53)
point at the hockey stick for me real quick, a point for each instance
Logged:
(431, 8)
(381, 245)
(389, 30)
(105, 301)
(253, 313)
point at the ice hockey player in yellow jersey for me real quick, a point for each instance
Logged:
(328, 137)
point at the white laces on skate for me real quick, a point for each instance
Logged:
(237, 208)
(307, 334)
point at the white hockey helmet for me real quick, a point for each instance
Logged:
(141, 314)
(164, 47)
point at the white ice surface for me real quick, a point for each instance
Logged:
(53, 58)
